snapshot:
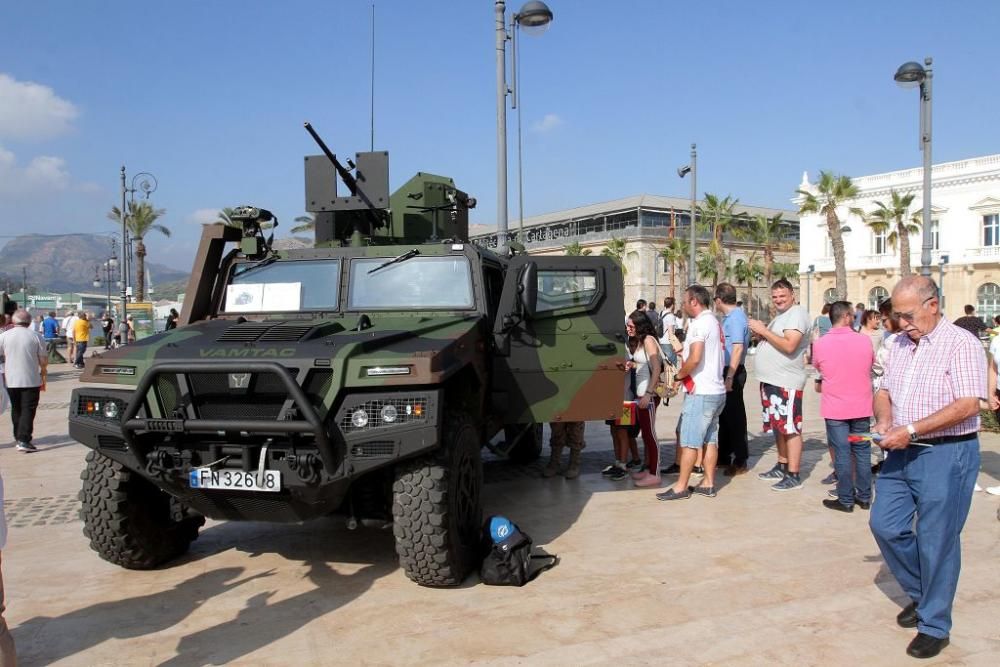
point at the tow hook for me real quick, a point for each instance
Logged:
(306, 466)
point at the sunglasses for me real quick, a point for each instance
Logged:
(909, 317)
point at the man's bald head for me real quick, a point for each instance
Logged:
(920, 286)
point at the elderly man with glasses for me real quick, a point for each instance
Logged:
(927, 412)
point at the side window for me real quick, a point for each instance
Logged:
(558, 289)
(493, 283)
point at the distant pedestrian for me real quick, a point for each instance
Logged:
(870, 328)
(859, 313)
(38, 325)
(654, 319)
(172, 320)
(50, 332)
(107, 328)
(68, 324)
(844, 361)
(781, 370)
(81, 335)
(25, 368)
(667, 319)
(822, 323)
(733, 446)
(974, 325)
(927, 411)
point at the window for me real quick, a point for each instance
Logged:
(991, 229)
(830, 295)
(418, 282)
(283, 286)
(565, 289)
(935, 234)
(880, 245)
(988, 301)
(877, 295)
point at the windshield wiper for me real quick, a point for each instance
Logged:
(395, 260)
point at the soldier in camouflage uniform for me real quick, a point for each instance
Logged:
(565, 434)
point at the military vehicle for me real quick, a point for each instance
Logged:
(361, 376)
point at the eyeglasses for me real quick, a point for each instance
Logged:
(909, 317)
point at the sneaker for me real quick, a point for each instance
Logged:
(26, 447)
(863, 504)
(707, 491)
(977, 488)
(610, 469)
(789, 483)
(775, 473)
(833, 493)
(993, 490)
(672, 469)
(634, 465)
(639, 474)
(830, 479)
(618, 474)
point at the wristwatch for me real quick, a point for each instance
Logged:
(912, 431)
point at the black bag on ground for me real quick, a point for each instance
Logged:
(508, 560)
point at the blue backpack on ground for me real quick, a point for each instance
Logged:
(508, 558)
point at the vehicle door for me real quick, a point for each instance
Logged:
(559, 340)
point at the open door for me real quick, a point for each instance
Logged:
(559, 337)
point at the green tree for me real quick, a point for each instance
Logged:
(770, 234)
(140, 219)
(787, 270)
(615, 249)
(576, 250)
(706, 267)
(832, 191)
(747, 272)
(894, 217)
(676, 254)
(717, 216)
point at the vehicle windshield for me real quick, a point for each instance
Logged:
(283, 286)
(418, 282)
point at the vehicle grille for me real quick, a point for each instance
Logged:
(261, 507)
(111, 442)
(262, 399)
(266, 332)
(377, 449)
(244, 332)
(285, 333)
(408, 410)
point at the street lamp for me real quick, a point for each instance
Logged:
(941, 262)
(146, 183)
(910, 75)
(534, 17)
(682, 172)
(811, 269)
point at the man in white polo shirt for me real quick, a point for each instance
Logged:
(705, 395)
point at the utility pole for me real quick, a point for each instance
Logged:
(124, 251)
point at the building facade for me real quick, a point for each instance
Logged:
(965, 229)
(646, 223)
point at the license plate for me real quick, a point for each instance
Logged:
(234, 480)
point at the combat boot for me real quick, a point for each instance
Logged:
(552, 469)
(573, 469)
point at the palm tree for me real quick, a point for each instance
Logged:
(307, 223)
(769, 233)
(833, 191)
(747, 272)
(892, 218)
(140, 219)
(676, 254)
(706, 267)
(576, 250)
(615, 249)
(788, 271)
(717, 215)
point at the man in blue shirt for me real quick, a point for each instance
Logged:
(733, 448)
(50, 331)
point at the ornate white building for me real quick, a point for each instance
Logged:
(965, 214)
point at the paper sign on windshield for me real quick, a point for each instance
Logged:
(245, 298)
(282, 296)
(263, 297)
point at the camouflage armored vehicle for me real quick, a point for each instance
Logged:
(361, 376)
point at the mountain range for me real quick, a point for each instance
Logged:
(62, 263)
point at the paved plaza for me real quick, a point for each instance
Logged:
(751, 577)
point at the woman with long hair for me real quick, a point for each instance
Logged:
(647, 363)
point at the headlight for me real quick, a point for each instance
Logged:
(359, 418)
(389, 413)
(111, 410)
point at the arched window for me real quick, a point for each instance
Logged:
(988, 301)
(877, 295)
(830, 295)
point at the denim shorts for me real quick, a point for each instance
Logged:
(699, 424)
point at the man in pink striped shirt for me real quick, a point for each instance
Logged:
(844, 360)
(927, 409)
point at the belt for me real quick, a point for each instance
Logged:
(947, 439)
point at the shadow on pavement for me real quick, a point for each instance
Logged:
(990, 464)
(45, 639)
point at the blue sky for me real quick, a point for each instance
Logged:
(211, 96)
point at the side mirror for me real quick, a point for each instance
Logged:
(527, 289)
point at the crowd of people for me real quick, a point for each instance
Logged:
(900, 383)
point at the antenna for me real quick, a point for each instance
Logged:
(372, 114)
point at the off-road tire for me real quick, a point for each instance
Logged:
(528, 448)
(437, 508)
(128, 520)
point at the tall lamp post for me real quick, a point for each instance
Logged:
(692, 169)
(534, 16)
(811, 269)
(941, 262)
(145, 182)
(909, 75)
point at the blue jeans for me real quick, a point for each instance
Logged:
(852, 461)
(935, 485)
